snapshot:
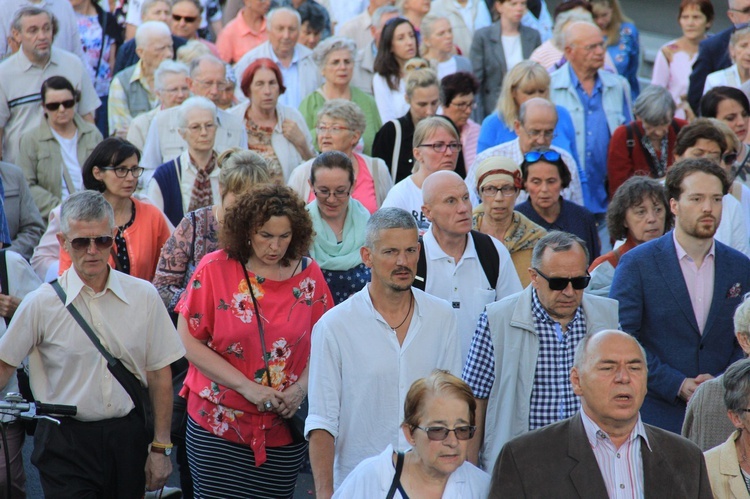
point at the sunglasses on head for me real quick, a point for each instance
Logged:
(188, 19)
(440, 433)
(54, 106)
(560, 283)
(534, 156)
(83, 243)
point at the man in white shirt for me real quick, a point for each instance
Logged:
(368, 350)
(456, 257)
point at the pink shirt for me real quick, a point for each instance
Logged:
(237, 39)
(364, 187)
(699, 281)
(469, 141)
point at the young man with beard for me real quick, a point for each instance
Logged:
(677, 294)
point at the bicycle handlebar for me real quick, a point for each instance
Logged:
(32, 409)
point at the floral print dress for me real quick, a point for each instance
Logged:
(219, 310)
(626, 55)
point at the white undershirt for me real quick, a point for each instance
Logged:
(69, 151)
(446, 68)
(512, 50)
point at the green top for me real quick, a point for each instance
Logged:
(313, 102)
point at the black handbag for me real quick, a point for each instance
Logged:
(137, 392)
(297, 422)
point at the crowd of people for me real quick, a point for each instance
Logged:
(423, 248)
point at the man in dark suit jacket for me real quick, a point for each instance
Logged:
(565, 459)
(678, 293)
(713, 52)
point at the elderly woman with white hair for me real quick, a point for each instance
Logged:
(171, 82)
(439, 49)
(132, 90)
(335, 57)
(191, 180)
(340, 125)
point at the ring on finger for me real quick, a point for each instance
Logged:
(268, 405)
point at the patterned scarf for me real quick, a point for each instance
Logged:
(202, 194)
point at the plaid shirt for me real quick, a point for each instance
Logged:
(552, 397)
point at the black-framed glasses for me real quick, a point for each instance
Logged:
(54, 106)
(440, 433)
(188, 19)
(440, 147)
(122, 171)
(84, 243)
(506, 190)
(560, 283)
(325, 194)
(534, 156)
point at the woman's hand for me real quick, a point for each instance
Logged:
(260, 395)
(290, 399)
(292, 133)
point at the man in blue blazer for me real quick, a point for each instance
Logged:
(677, 294)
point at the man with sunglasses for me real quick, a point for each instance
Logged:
(104, 449)
(524, 345)
(677, 294)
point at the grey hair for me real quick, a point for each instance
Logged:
(579, 358)
(377, 16)
(569, 33)
(742, 318)
(736, 382)
(422, 78)
(195, 3)
(145, 6)
(191, 51)
(346, 110)
(273, 12)
(536, 101)
(85, 206)
(31, 11)
(655, 105)
(166, 68)
(388, 218)
(191, 103)
(147, 30)
(562, 20)
(196, 63)
(737, 35)
(428, 23)
(324, 48)
(556, 241)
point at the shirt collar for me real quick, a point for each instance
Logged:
(26, 64)
(681, 253)
(376, 314)
(295, 57)
(437, 253)
(136, 72)
(596, 435)
(541, 314)
(576, 83)
(247, 30)
(74, 285)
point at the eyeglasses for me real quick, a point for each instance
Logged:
(122, 171)
(534, 156)
(54, 106)
(729, 158)
(593, 46)
(334, 129)
(506, 190)
(208, 84)
(745, 11)
(440, 433)
(440, 147)
(197, 128)
(548, 134)
(340, 62)
(560, 283)
(188, 19)
(84, 243)
(325, 194)
(176, 90)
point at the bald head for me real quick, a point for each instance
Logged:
(592, 343)
(438, 182)
(584, 48)
(536, 108)
(447, 205)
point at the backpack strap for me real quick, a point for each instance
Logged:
(4, 277)
(420, 280)
(488, 256)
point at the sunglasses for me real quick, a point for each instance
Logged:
(560, 283)
(188, 19)
(54, 106)
(84, 243)
(534, 156)
(440, 433)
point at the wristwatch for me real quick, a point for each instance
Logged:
(165, 449)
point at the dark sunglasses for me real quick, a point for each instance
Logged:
(54, 106)
(83, 243)
(534, 156)
(188, 19)
(560, 283)
(440, 433)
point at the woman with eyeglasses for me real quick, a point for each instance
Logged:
(544, 175)
(638, 212)
(339, 223)
(644, 146)
(277, 132)
(436, 147)
(51, 155)
(499, 182)
(335, 58)
(112, 169)
(457, 93)
(340, 125)
(191, 180)
(439, 422)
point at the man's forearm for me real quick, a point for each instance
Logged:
(160, 392)
(322, 451)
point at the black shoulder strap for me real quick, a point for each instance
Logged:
(420, 280)
(397, 477)
(488, 256)
(4, 278)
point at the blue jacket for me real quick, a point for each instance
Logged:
(168, 177)
(655, 308)
(713, 55)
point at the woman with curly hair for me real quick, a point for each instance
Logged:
(246, 320)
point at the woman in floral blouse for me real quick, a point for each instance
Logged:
(246, 320)
(621, 40)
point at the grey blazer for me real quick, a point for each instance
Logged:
(488, 60)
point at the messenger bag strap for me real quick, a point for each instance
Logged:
(397, 477)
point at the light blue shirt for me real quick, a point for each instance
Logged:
(291, 97)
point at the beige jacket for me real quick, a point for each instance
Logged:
(724, 470)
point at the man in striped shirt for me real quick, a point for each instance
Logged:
(605, 450)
